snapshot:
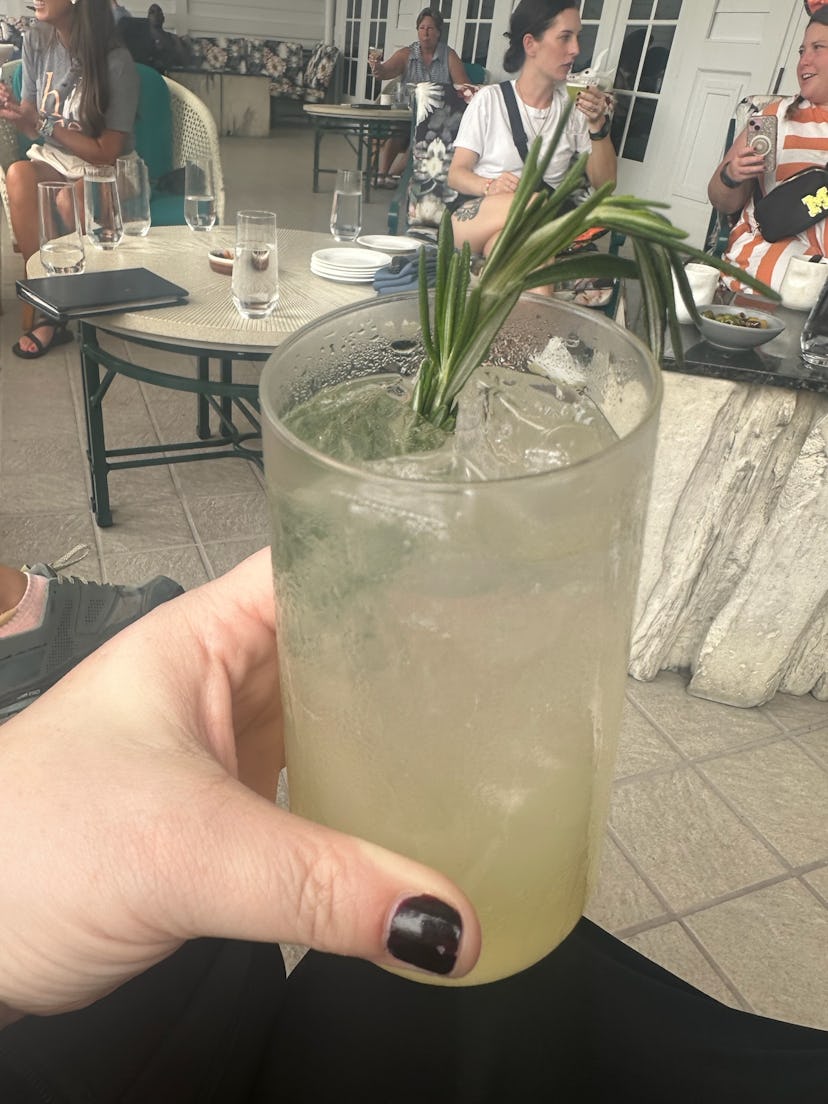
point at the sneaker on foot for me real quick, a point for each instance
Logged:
(79, 616)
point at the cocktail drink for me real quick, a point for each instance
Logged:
(454, 608)
(574, 86)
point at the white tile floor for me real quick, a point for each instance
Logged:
(716, 862)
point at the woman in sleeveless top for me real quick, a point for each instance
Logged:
(427, 59)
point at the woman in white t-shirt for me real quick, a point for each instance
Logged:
(486, 167)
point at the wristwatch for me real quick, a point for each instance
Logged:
(728, 181)
(47, 125)
(603, 132)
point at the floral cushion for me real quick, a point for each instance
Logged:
(283, 62)
(320, 71)
(439, 110)
(208, 53)
(13, 27)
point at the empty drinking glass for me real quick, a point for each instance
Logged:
(199, 194)
(346, 212)
(61, 239)
(104, 227)
(134, 193)
(255, 286)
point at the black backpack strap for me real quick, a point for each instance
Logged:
(518, 133)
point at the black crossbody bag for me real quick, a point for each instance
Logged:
(793, 206)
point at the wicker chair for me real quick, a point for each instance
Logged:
(194, 134)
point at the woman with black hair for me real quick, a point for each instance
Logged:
(79, 95)
(486, 167)
(427, 59)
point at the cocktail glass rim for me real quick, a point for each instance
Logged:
(346, 314)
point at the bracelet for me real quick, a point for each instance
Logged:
(47, 125)
(728, 181)
(603, 132)
(488, 185)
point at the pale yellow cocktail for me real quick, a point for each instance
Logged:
(453, 626)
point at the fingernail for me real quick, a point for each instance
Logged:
(425, 932)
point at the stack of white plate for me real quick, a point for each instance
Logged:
(390, 243)
(348, 266)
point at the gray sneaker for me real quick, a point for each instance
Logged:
(79, 617)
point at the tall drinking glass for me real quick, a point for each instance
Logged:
(199, 194)
(255, 286)
(61, 237)
(453, 623)
(133, 182)
(346, 211)
(104, 226)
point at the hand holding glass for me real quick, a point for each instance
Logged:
(61, 239)
(255, 286)
(346, 212)
(199, 194)
(132, 178)
(470, 720)
(104, 226)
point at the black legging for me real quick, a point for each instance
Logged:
(594, 1021)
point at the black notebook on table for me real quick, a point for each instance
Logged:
(65, 298)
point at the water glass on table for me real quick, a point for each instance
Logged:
(255, 286)
(104, 226)
(346, 212)
(61, 237)
(199, 193)
(133, 183)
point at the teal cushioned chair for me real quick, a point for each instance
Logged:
(153, 140)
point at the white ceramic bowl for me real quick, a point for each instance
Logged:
(221, 261)
(726, 335)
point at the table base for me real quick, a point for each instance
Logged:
(222, 396)
(364, 138)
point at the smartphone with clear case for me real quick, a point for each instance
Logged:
(761, 137)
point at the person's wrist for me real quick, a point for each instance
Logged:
(487, 187)
(602, 132)
(728, 180)
(47, 124)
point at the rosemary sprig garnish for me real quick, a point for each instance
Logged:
(530, 253)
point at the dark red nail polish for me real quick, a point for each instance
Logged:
(425, 932)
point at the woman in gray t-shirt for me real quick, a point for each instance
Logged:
(79, 96)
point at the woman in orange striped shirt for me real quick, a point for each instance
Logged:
(802, 142)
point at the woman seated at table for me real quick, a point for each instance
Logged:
(486, 167)
(427, 59)
(80, 95)
(802, 142)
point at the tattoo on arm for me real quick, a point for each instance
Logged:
(469, 209)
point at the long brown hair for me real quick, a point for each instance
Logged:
(91, 38)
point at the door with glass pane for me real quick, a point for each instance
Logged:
(364, 24)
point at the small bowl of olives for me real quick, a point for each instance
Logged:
(729, 327)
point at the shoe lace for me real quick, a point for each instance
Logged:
(73, 556)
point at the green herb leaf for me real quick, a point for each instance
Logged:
(531, 252)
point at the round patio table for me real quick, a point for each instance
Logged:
(207, 327)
